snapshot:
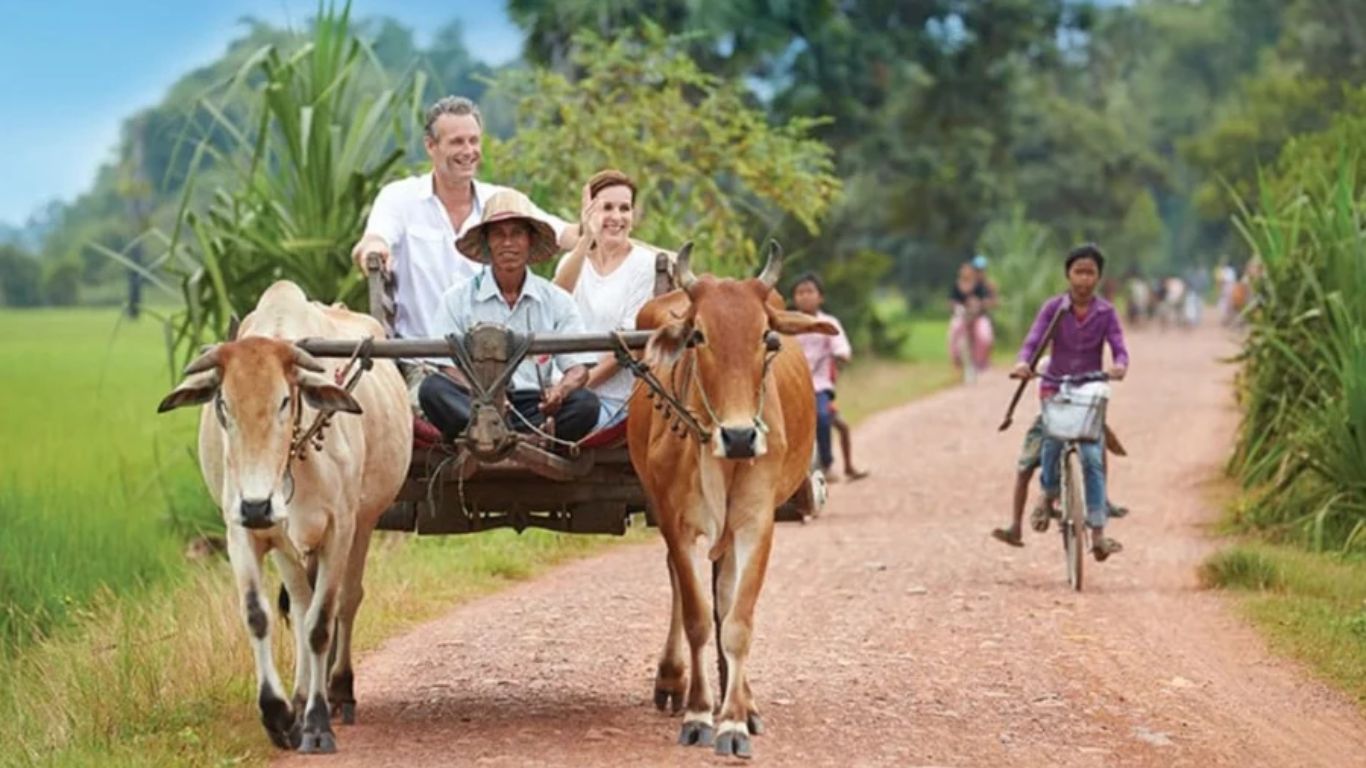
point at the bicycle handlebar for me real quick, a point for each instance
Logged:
(1075, 378)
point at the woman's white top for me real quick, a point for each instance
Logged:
(610, 303)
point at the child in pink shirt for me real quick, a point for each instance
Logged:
(822, 352)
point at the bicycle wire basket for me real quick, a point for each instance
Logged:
(1077, 412)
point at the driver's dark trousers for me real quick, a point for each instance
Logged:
(447, 405)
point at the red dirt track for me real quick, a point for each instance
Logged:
(893, 631)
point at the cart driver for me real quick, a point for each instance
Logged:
(509, 237)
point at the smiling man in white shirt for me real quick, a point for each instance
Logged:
(416, 221)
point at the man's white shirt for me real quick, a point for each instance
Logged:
(413, 222)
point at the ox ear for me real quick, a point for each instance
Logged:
(322, 394)
(792, 323)
(196, 389)
(666, 343)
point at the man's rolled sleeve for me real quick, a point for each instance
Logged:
(386, 218)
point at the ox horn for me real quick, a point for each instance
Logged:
(683, 268)
(207, 359)
(307, 361)
(773, 267)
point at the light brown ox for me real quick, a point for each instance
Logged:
(715, 501)
(312, 514)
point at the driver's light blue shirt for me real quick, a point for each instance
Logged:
(542, 308)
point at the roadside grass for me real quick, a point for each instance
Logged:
(1310, 606)
(873, 384)
(166, 678)
(92, 482)
(876, 384)
(121, 653)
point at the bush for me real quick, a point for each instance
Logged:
(295, 184)
(1241, 569)
(1302, 441)
(1025, 270)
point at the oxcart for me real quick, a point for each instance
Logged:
(496, 477)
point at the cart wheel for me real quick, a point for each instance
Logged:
(819, 491)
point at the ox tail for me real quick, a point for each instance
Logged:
(283, 600)
(722, 670)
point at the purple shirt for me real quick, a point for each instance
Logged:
(1077, 345)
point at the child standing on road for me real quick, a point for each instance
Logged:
(842, 427)
(823, 353)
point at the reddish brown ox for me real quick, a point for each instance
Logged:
(717, 351)
(314, 513)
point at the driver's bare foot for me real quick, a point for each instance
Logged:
(855, 474)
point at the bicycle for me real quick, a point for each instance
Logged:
(966, 345)
(1074, 415)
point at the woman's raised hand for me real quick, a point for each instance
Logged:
(589, 219)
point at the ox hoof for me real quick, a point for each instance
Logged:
(671, 701)
(289, 738)
(282, 727)
(696, 734)
(734, 743)
(319, 743)
(755, 724)
(346, 710)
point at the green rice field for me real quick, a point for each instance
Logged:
(96, 490)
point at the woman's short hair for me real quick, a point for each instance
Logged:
(610, 178)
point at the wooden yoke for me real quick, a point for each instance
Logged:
(489, 349)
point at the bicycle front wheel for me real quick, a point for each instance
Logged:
(1073, 517)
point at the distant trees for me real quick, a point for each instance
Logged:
(20, 278)
(711, 165)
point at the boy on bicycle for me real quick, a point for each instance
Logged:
(1086, 325)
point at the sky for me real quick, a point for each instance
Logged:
(72, 70)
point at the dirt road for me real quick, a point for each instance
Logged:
(893, 631)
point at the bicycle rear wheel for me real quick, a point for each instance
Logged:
(966, 354)
(1073, 522)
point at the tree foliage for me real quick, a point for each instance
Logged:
(942, 120)
(20, 278)
(295, 182)
(710, 166)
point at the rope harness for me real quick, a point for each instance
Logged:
(672, 400)
(313, 437)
